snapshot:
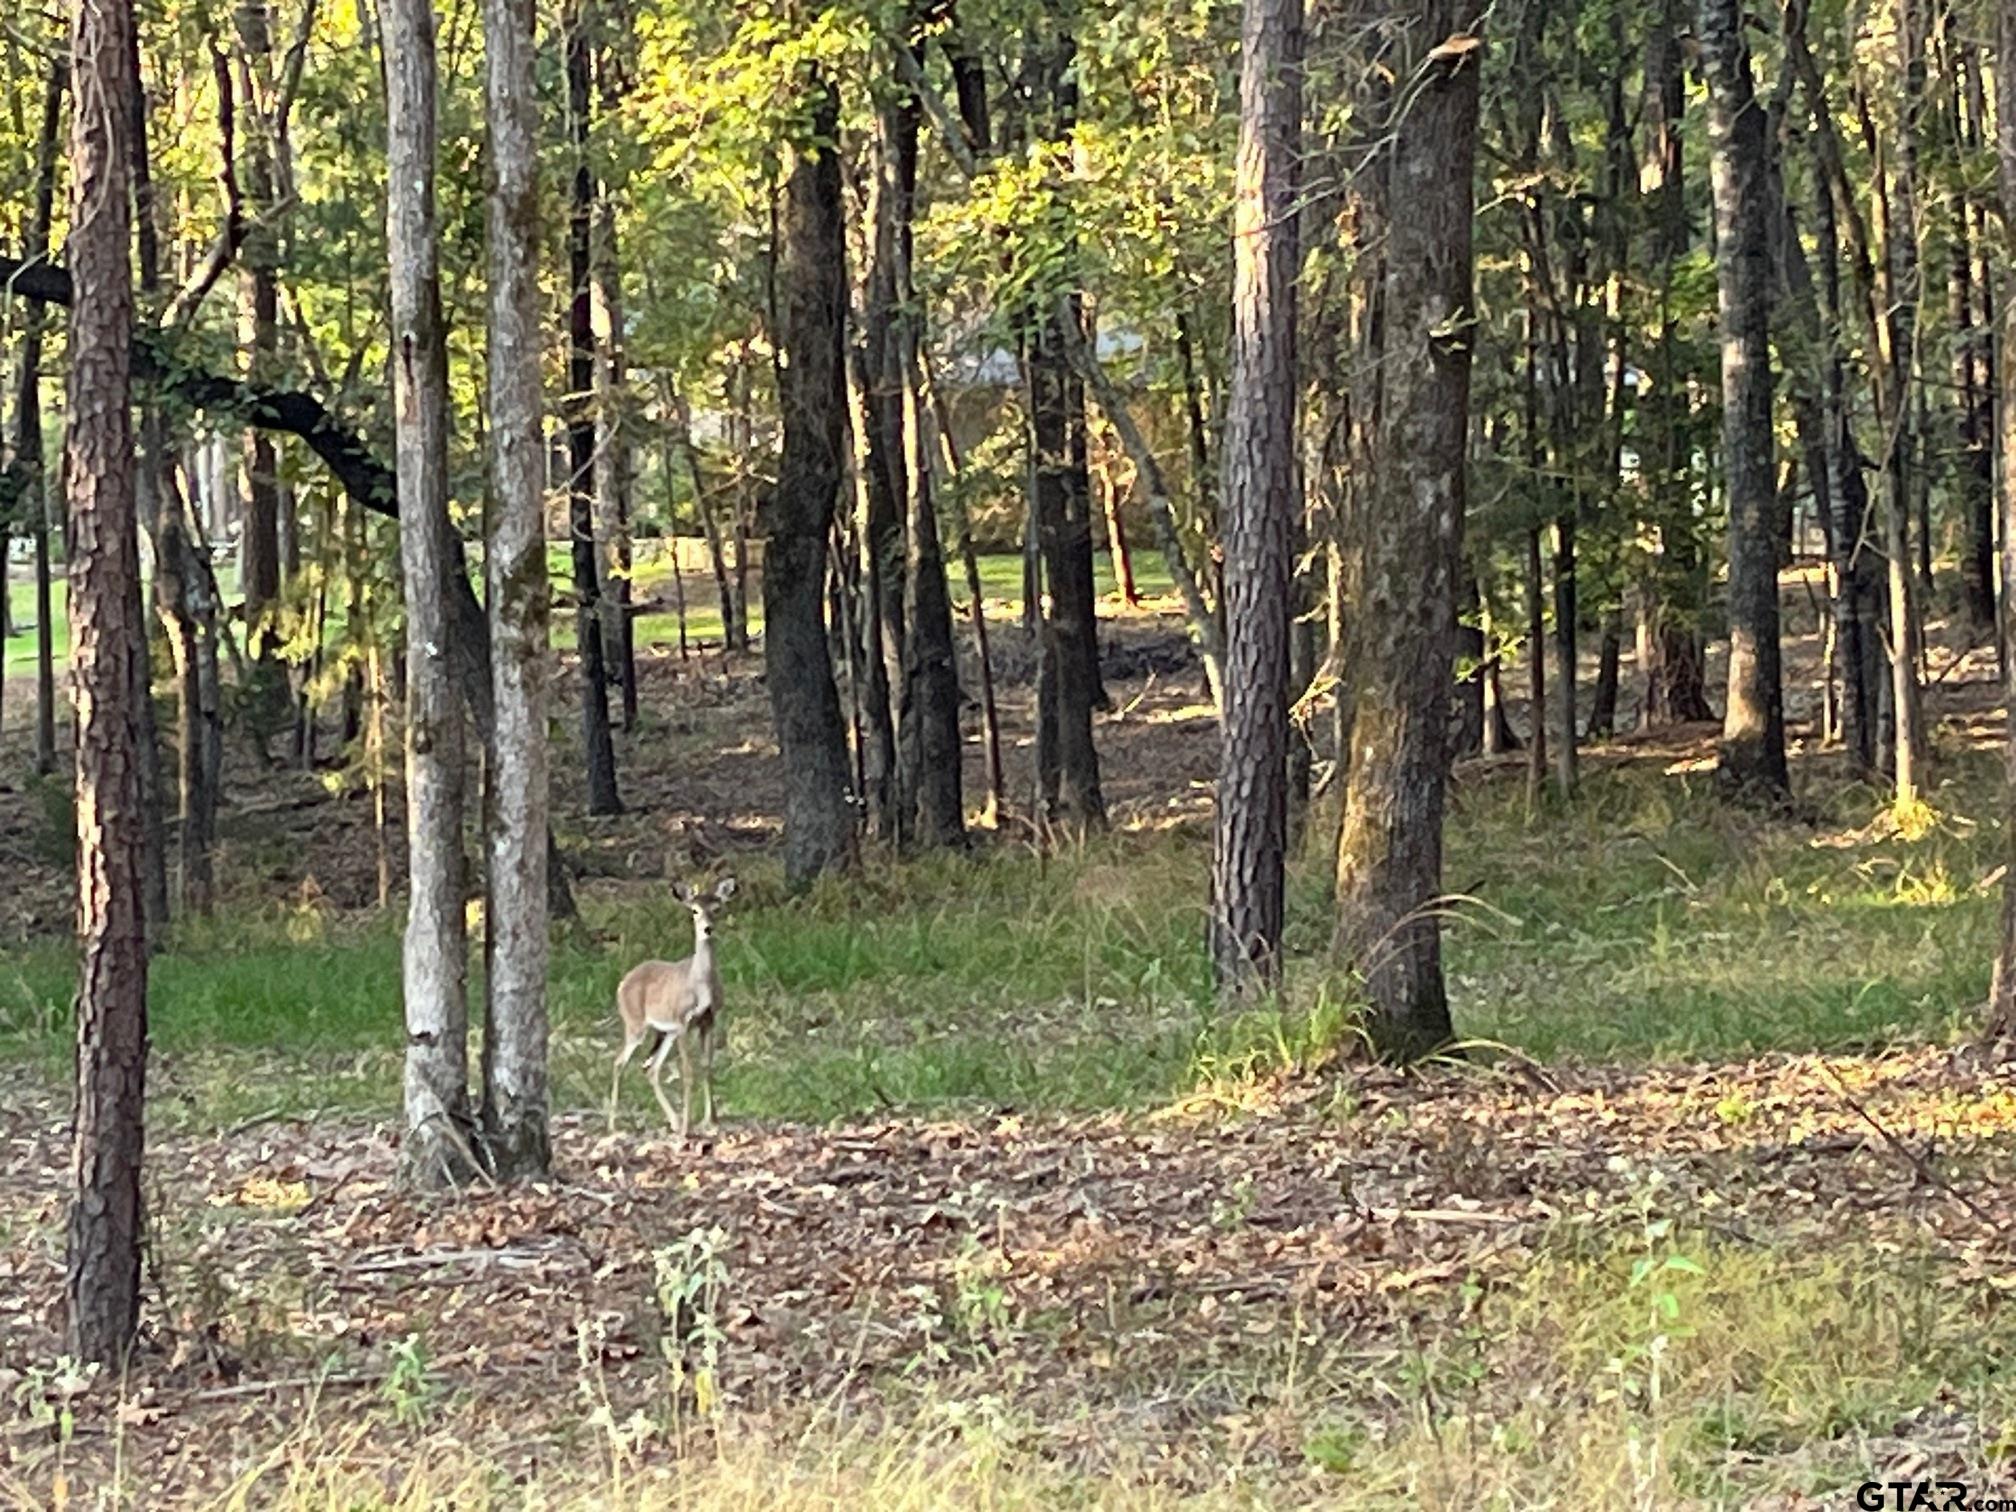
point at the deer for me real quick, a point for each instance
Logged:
(680, 1002)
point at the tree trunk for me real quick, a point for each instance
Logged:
(614, 468)
(1671, 652)
(2002, 992)
(1972, 333)
(1206, 622)
(259, 263)
(1851, 558)
(436, 1147)
(28, 459)
(108, 645)
(515, 1131)
(598, 744)
(1067, 757)
(1603, 701)
(811, 393)
(1566, 736)
(933, 781)
(889, 768)
(1250, 837)
(990, 717)
(1753, 726)
(1536, 669)
(881, 609)
(1389, 853)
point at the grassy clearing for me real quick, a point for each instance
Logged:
(1650, 922)
(658, 629)
(1001, 576)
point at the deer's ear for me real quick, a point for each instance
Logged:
(683, 891)
(724, 889)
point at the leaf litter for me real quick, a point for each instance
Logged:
(1118, 1263)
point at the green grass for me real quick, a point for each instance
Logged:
(1000, 579)
(20, 658)
(1651, 922)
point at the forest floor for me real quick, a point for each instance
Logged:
(1717, 1210)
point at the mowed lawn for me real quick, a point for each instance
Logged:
(657, 626)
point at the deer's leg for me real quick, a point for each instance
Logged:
(658, 1080)
(707, 1078)
(630, 1043)
(685, 1084)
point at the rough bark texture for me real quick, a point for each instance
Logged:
(438, 1123)
(514, 1049)
(1067, 757)
(1389, 854)
(1753, 724)
(1250, 838)
(596, 740)
(108, 645)
(811, 392)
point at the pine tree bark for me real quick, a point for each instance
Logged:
(811, 392)
(1753, 725)
(108, 646)
(515, 1114)
(1260, 504)
(598, 744)
(1389, 852)
(438, 1123)
(1067, 756)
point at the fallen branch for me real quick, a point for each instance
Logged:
(1910, 1156)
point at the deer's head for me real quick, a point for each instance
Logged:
(703, 904)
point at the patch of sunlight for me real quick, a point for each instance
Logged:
(266, 1193)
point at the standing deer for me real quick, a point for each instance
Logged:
(680, 1001)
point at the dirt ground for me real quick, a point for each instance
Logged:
(1092, 1264)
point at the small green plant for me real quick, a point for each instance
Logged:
(1230, 1210)
(690, 1277)
(980, 1296)
(410, 1389)
(1334, 1448)
(47, 1395)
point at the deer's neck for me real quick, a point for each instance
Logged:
(703, 956)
